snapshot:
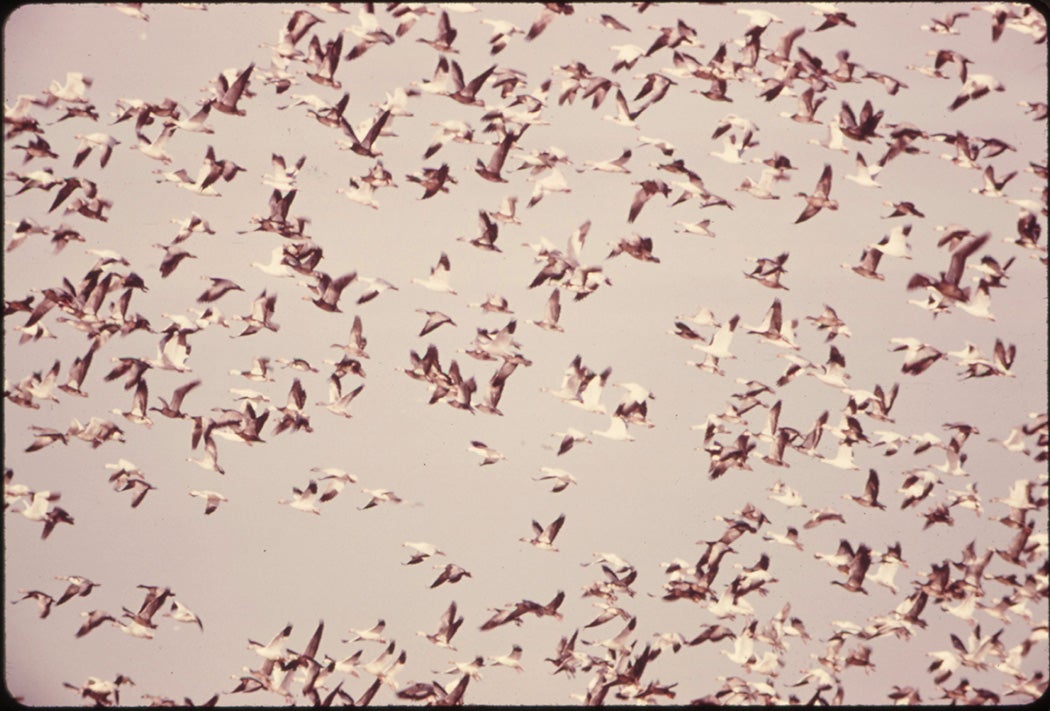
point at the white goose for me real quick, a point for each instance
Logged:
(439, 277)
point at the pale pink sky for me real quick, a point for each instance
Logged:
(254, 566)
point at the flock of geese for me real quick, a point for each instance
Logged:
(994, 584)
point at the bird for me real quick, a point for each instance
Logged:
(562, 479)
(439, 277)
(423, 550)
(857, 569)
(820, 198)
(974, 87)
(449, 625)
(229, 93)
(871, 492)
(44, 600)
(543, 538)
(212, 500)
(380, 496)
(488, 454)
(181, 613)
(372, 634)
(948, 282)
(450, 573)
(274, 649)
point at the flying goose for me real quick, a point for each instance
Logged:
(561, 477)
(273, 650)
(543, 538)
(380, 496)
(303, 499)
(820, 197)
(974, 87)
(993, 188)
(229, 94)
(212, 500)
(181, 613)
(450, 573)
(948, 283)
(488, 454)
(511, 659)
(103, 141)
(439, 277)
(865, 175)
(448, 628)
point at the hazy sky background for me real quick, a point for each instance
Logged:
(254, 566)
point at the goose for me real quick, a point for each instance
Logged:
(94, 688)
(948, 283)
(762, 188)
(303, 499)
(722, 339)
(439, 277)
(323, 61)
(435, 319)
(697, 228)
(616, 165)
(195, 123)
(138, 412)
(870, 496)
(182, 179)
(784, 494)
(328, 290)
(488, 454)
(380, 496)
(448, 627)
(789, 538)
(858, 566)
(212, 500)
(181, 613)
(260, 316)
(728, 606)
(103, 141)
(865, 175)
(210, 460)
(552, 182)
(843, 458)
(820, 197)
(372, 634)
(993, 188)
(229, 94)
(589, 395)
(818, 517)
(543, 538)
(274, 649)
(450, 573)
(155, 149)
(260, 370)
(774, 329)
(173, 256)
(93, 619)
(618, 642)
(974, 87)
(945, 26)
(511, 660)
(835, 140)
(731, 152)
(561, 478)
(371, 131)
(608, 612)
(422, 550)
(44, 600)
(72, 91)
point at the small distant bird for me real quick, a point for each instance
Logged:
(543, 538)
(820, 198)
